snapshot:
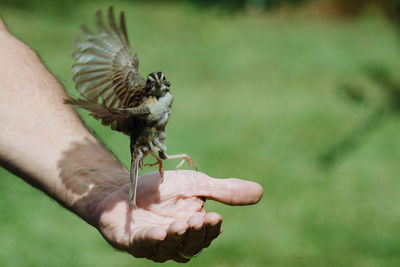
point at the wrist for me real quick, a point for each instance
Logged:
(88, 173)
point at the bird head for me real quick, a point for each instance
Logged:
(156, 84)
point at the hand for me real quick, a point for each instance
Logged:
(170, 220)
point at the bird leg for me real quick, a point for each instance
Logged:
(179, 156)
(158, 162)
(164, 156)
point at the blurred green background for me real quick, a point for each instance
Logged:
(299, 96)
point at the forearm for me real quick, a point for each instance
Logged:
(42, 139)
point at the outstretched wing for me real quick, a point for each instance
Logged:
(106, 72)
(117, 118)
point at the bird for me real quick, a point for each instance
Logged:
(112, 90)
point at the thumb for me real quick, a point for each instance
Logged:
(230, 191)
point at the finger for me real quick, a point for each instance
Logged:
(149, 236)
(169, 248)
(194, 239)
(213, 223)
(230, 191)
(181, 259)
(145, 242)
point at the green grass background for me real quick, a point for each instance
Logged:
(255, 98)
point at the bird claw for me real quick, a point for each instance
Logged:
(189, 161)
(180, 164)
(191, 164)
(152, 164)
(160, 168)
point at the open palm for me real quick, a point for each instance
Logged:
(170, 221)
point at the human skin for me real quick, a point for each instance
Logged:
(44, 142)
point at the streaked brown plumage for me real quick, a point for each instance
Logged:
(111, 88)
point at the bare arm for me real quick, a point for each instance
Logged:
(36, 127)
(43, 141)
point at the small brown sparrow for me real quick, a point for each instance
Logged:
(111, 88)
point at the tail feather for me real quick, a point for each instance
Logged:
(133, 181)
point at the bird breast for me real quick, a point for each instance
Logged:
(160, 109)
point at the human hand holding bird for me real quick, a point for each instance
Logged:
(112, 89)
(171, 222)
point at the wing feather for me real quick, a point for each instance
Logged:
(105, 69)
(123, 33)
(117, 118)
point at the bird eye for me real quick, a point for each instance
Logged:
(149, 85)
